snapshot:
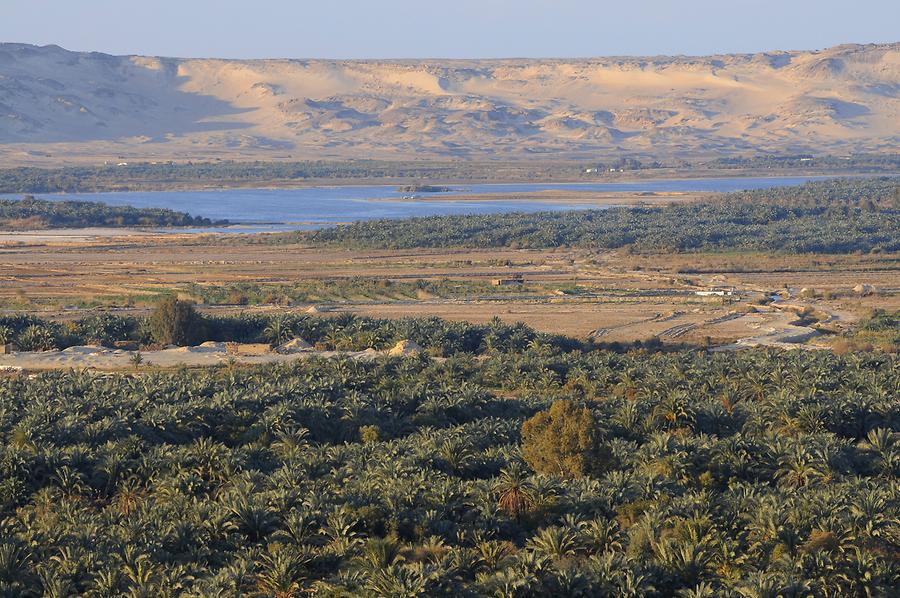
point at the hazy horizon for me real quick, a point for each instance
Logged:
(402, 29)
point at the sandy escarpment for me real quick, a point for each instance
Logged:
(55, 102)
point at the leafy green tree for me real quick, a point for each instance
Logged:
(565, 441)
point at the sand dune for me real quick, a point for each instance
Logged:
(57, 105)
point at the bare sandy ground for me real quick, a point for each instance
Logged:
(64, 106)
(206, 355)
(72, 235)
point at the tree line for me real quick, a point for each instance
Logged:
(859, 162)
(175, 322)
(39, 213)
(162, 175)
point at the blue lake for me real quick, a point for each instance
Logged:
(313, 207)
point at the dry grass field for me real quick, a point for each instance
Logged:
(608, 296)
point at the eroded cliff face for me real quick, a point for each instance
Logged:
(69, 105)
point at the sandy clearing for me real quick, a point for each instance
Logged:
(216, 354)
(778, 332)
(72, 235)
(623, 321)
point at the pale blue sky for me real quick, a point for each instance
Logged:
(451, 28)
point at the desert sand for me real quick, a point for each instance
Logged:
(68, 107)
(207, 354)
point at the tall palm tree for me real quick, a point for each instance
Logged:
(800, 467)
(515, 492)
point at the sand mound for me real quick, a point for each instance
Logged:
(294, 346)
(83, 350)
(406, 347)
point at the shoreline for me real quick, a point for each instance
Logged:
(550, 196)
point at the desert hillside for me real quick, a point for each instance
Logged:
(57, 105)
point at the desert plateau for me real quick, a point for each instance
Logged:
(60, 106)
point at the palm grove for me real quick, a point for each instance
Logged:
(518, 466)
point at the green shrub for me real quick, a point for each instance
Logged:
(175, 322)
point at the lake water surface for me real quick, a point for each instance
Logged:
(254, 210)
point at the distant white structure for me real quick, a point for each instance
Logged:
(716, 292)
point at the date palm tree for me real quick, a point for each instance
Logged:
(282, 571)
(515, 492)
(800, 467)
(279, 330)
(557, 543)
(884, 444)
